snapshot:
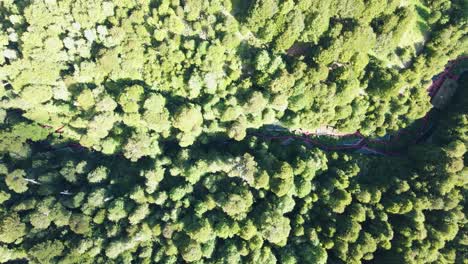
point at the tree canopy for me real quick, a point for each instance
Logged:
(133, 132)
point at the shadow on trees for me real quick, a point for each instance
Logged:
(423, 12)
(240, 9)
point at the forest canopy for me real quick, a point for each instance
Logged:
(130, 131)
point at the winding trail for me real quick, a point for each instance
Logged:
(362, 143)
(370, 145)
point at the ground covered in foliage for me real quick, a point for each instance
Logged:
(124, 131)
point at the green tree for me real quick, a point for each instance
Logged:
(274, 227)
(16, 182)
(46, 252)
(97, 175)
(11, 228)
(117, 210)
(236, 203)
(85, 99)
(130, 99)
(189, 120)
(191, 251)
(283, 181)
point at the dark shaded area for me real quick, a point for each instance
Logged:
(422, 12)
(423, 27)
(240, 9)
(299, 49)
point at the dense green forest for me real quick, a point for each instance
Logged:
(128, 131)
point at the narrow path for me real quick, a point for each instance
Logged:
(367, 145)
(364, 144)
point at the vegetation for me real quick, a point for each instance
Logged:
(125, 132)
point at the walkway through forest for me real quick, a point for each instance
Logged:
(361, 143)
(368, 145)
